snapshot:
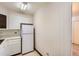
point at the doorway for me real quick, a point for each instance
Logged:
(27, 40)
(75, 28)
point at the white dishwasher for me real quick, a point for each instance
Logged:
(10, 46)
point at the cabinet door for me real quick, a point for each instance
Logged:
(3, 48)
(14, 49)
(14, 46)
(10, 47)
(27, 43)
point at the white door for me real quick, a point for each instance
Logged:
(27, 37)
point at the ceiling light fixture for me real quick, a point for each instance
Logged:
(24, 5)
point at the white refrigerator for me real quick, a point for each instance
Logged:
(27, 41)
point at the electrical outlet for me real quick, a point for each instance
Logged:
(15, 32)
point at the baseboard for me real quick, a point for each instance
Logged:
(16, 54)
(28, 52)
(38, 52)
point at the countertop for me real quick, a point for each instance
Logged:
(2, 38)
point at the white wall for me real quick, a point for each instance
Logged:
(53, 29)
(14, 18)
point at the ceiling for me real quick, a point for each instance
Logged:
(35, 6)
(14, 6)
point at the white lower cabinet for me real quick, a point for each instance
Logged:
(14, 46)
(10, 47)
